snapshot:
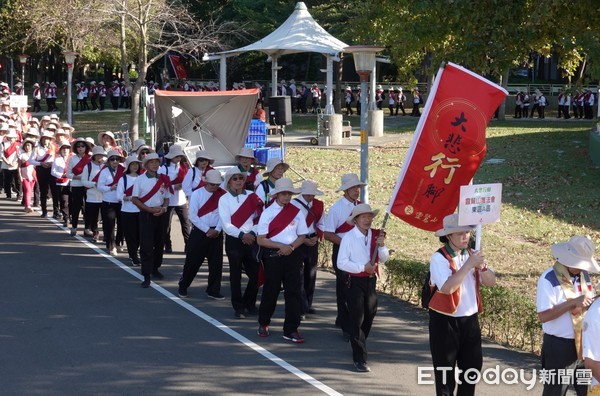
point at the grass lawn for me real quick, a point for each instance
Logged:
(551, 189)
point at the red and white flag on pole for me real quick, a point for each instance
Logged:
(177, 67)
(447, 147)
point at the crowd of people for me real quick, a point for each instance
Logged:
(579, 102)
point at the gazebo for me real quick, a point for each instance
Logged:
(299, 33)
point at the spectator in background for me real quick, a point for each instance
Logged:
(316, 98)
(400, 99)
(416, 103)
(259, 112)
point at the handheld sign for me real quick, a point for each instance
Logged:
(18, 101)
(479, 204)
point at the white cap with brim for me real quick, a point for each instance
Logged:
(33, 132)
(309, 187)
(174, 151)
(204, 154)
(131, 159)
(115, 153)
(80, 140)
(137, 144)
(350, 180)
(213, 176)
(246, 153)
(284, 184)
(361, 209)
(106, 133)
(272, 163)
(149, 157)
(577, 253)
(451, 226)
(98, 150)
(234, 170)
(12, 134)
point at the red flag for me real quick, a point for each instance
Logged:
(177, 67)
(447, 147)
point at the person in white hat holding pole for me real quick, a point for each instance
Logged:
(280, 232)
(206, 238)
(564, 293)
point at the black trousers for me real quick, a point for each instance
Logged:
(454, 342)
(310, 256)
(36, 105)
(182, 213)
(111, 218)
(92, 210)
(43, 175)
(130, 224)
(102, 100)
(560, 353)
(152, 241)
(114, 100)
(199, 248)
(62, 195)
(280, 270)
(11, 182)
(340, 292)
(361, 300)
(400, 105)
(242, 258)
(77, 199)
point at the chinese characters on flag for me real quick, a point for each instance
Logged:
(447, 147)
(177, 67)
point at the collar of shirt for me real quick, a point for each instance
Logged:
(235, 194)
(149, 176)
(452, 253)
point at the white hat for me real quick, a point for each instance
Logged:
(46, 118)
(234, 170)
(106, 133)
(213, 176)
(36, 85)
(90, 140)
(12, 133)
(3, 126)
(47, 134)
(27, 141)
(379, 87)
(350, 180)
(51, 126)
(174, 151)
(129, 160)
(360, 209)
(54, 116)
(65, 143)
(292, 81)
(577, 253)
(204, 154)
(66, 125)
(309, 187)
(272, 163)
(34, 120)
(143, 147)
(246, 153)
(98, 150)
(115, 153)
(61, 131)
(137, 144)
(451, 226)
(151, 156)
(284, 184)
(33, 132)
(80, 140)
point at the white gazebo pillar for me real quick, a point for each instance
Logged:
(222, 73)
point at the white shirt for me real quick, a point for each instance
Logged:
(177, 198)
(549, 294)
(440, 272)
(228, 205)
(40, 153)
(12, 162)
(355, 251)
(107, 177)
(27, 171)
(59, 166)
(72, 163)
(319, 224)
(92, 194)
(126, 206)
(209, 220)
(337, 215)
(191, 180)
(260, 191)
(591, 335)
(290, 233)
(144, 184)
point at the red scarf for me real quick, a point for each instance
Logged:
(282, 220)
(183, 169)
(10, 150)
(252, 204)
(64, 179)
(202, 182)
(118, 175)
(314, 215)
(77, 169)
(211, 203)
(162, 180)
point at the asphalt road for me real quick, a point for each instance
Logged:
(75, 321)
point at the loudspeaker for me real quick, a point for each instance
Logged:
(280, 110)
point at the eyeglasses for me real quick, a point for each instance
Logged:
(237, 178)
(80, 145)
(212, 184)
(113, 159)
(144, 152)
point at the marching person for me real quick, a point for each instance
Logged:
(102, 92)
(43, 156)
(9, 163)
(206, 238)
(110, 209)
(93, 196)
(275, 170)
(238, 210)
(80, 158)
(60, 187)
(37, 98)
(195, 178)
(591, 344)
(564, 292)
(281, 231)
(130, 214)
(454, 333)
(108, 142)
(115, 94)
(151, 195)
(361, 251)
(417, 99)
(400, 99)
(247, 165)
(93, 94)
(27, 173)
(176, 168)
(333, 230)
(312, 210)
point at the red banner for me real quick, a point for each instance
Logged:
(447, 147)
(177, 67)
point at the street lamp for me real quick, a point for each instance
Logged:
(23, 60)
(364, 63)
(70, 60)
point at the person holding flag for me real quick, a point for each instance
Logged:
(108, 181)
(361, 250)
(281, 231)
(333, 230)
(206, 238)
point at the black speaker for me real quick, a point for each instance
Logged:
(280, 110)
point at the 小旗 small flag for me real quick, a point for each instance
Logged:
(177, 66)
(447, 147)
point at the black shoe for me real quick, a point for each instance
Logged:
(135, 261)
(215, 296)
(311, 311)
(44, 214)
(146, 283)
(168, 249)
(182, 292)
(362, 367)
(158, 275)
(239, 313)
(56, 216)
(65, 223)
(252, 311)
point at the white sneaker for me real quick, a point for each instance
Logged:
(113, 252)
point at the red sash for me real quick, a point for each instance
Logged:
(24, 164)
(95, 179)
(180, 175)
(10, 150)
(345, 227)
(314, 215)
(373, 250)
(128, 191)
(45, 157)
(282, 220)
(118, 175)
(64, 179)
(77, 169)
(250, 178)
(201, 182)
(211, 203)
(252, 204)
(163, 180)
